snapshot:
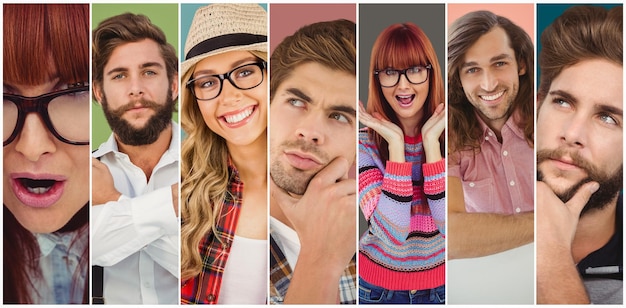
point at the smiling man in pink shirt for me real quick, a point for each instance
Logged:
(491, 179)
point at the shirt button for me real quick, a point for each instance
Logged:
(486, 138)
(490, 134)
(512, 183)
(517, 210)
(471, 184)
(210, 297)
(505, 153)
(226, 245)
(146, 284)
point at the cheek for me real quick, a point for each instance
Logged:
(388, 94)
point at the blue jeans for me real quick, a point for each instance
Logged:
(371, 294)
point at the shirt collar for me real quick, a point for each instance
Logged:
(510, 124)
(47, 242)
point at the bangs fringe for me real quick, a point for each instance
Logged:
(46, 41)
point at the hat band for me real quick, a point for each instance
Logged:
(226, 40)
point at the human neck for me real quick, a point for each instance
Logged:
(251, 161)
(594, 230)
(147, 156)
(412, 126)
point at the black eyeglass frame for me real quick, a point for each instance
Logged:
(39, 104)
(226, 76)
(428, 68)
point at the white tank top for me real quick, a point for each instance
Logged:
(246, 274)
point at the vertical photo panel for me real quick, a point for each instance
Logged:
(136, 157)
(224, 212)
(491, 154)
(401, 154)
(580, 154)
(313, 126)
(46, 153)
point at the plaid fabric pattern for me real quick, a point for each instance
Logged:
(205, 288)
(281, 273)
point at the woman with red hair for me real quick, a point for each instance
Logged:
(402, 172)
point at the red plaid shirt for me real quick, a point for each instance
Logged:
(205, 288)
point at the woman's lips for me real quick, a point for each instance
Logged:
(38, 191)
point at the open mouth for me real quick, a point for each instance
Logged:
(405, 100)
(240, 117)
(37, 186)
(38, 193)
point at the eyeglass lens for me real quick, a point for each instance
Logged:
(68, 114)
(244, 77)
(415, 75)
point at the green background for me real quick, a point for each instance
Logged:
(165, 16)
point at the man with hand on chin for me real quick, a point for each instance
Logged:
(579, 159)
(312, 146)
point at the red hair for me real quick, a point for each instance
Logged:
(45, 39)
(401, 46)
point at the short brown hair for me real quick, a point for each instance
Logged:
(581, 32)
(329, 43)
(125, 28)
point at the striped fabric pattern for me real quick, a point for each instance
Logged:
(404, 203)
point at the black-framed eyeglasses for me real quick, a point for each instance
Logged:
(65, 114)
(390, 77)
(247, 76)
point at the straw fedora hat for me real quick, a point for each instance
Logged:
(223, 27)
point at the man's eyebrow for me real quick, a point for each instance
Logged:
(124, 69)
(297, 92)
(493, 59)
(565, 95)
(344, 108)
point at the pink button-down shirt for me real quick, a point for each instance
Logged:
(500, 179)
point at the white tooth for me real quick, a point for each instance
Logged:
(238, 117)
(38, 190)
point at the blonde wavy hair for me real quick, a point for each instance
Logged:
(204, 177)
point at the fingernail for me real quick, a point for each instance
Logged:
(594, 187)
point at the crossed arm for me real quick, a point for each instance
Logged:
(473, 235)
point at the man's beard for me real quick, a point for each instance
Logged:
(610, 184)
(149, 133)
(298, 180)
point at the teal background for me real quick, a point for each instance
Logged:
(165, 16)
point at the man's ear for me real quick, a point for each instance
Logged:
(522, 69)
(174, 86)
(97, 92)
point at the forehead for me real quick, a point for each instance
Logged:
(133, 54)
(322, 84)
(491, 44)
(593, 81)
(224, 61)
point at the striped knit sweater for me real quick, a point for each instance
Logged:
(404, 247)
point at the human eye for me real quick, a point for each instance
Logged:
(245, 71)
(500, 63)
(340, 117)
(608, 119)
(206, 82)
(390, 72)
(471, 70)
(561, 103)
(118, 76)
(150, 73)
(296, 102)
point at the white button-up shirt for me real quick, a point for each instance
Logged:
(136, 237)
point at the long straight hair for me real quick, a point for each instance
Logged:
(41, 42)
(401, 46)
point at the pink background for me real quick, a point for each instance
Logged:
(285, 19)
(522, 15)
